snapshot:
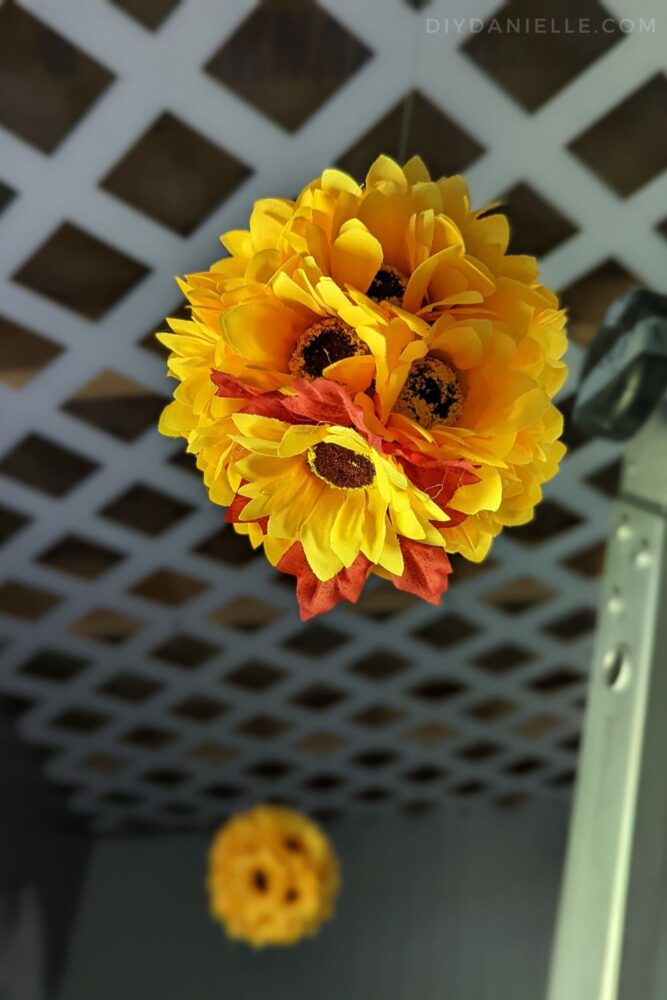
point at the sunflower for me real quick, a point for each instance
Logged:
(418, 244)
(480, 390)
(326, 487)
(272, 877)
(310, 451)
(292, 330)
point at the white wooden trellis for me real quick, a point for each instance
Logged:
(162, 70)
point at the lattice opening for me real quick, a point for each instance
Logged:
(150, 13)
(373, 759)
(536, 226)
(25, 602)
(491, 709)
(45, 466)
(287, 59)
(534, 67)
(379, 666)
(168, 587)
(212, 753)
(437, 689)
(319, 744)
(79, 720)
(129, 687)
(11, 522)
(414, 126)
(118, 405)
(149, 737)
(146, 510)
(44, 104)
(255, 676)
(573, 625)
(80, 557)
(175, 175)
(263, 727)
(430, 734)
(377, 716)
(270, 770)
(77, 270)
(503, 659)
(520, 595)
(107, 626)
(539, 726)
(318, 697)
(315, 640)
(199, 708)
(227, 547)
(50, 665)
(481, 750)
(245, 614)
(185, 651)
(447, 630)
(425, 774)
(631, 125)
(556, 681)
(23, 353)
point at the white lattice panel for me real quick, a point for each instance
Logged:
(395, 704)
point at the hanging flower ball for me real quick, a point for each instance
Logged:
(367, 381)
(272, 877)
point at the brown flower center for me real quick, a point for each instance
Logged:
(324, 342)
(388, 285)
(260, 881)
(340, 466)
(431, 394)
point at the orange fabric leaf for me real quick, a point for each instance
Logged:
(315, 596)
(426, 571)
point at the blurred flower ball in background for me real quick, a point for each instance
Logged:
(273, 877)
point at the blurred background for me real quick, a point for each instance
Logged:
(155, 676)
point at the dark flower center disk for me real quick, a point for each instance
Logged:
(322, 344)
(260, 881)
(387, 285)
(340, 466)
(431, 394)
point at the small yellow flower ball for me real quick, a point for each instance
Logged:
(272, 877)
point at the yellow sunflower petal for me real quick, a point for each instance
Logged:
(348, 527)
(391, 557)
(336, 180)
(385, 170)
(484, 495)
(356, 256)
(375, 525)
(462, 344)
(238, 242)
(288, 521)
(261, 329)
(420, 278)
(356, 373)
(316, 535)
(416, 171)
(299, 437)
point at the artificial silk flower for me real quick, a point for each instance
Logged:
(392, 313)
(272, 877)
